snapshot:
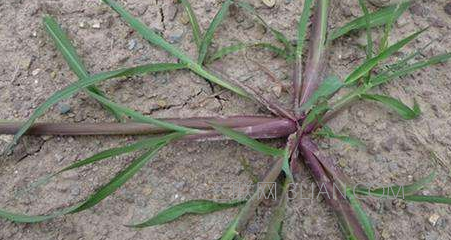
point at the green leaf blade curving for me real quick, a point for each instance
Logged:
(189, 207)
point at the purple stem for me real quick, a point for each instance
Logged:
(316, 61)
(133, 128)
(269, 130)
(324, 172)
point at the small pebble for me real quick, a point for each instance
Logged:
(161, 103)
(179, 185)
(277, 90)
(6, 138)
(172, 12)
(75, 191)
(269, 3)
(36, 72)
(431, 236)
(184, 19)
(64, 108)
(176, 36)
(132, 44)
(82, 24)
(433, 219)
(26, 63)
(247, 25)
(96, 24)
(447, 8)
(46, 137)
(380, 3)
(419, 9)
(287, 2)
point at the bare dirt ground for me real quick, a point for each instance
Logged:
(31, 69)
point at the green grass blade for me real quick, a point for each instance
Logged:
(371, 63)
(247, 141)
(302, 27)
(315, 114)
(286, 164)
(428, 199)
(277, 34)
(22, 218)
(69, 53)
(118, 180)
(399, 9)
(327, 132)
(326, 90)
(194, 23)
(222, 52)
(279, 51)
(157, 40)
(385, 77)
(100, 194)
(377, 18)
(63, 43)
(144, 144)
(247, 211)
(361, 215)
(395, 104)
(141, 118)
(79, 85)
(369, 37)
(276, 221)
(208, 37)
(407, 190)
(405, 60)
(189, 207)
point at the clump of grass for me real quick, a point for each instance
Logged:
(312, 107)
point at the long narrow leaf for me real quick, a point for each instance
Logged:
(189, 207)
(302, 32)
(276, 221)
(395, 104)
(157, 40)
(369, 38)
(405, 60)
(144, 144)
(249, 208)
(400, 8)
(222, 52)
(79, 85)
(247, 141)
(326, 90)
(428, 199)
(327, 132)
(371, 63)
(118, 180)
(69, 53)
(385, 77)
(361, 215)
(302, 27)
(141, 118)
(194, 24)
(277, 34)
(407, 190)
(377, 18)
(95, 198)
(208, 37)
